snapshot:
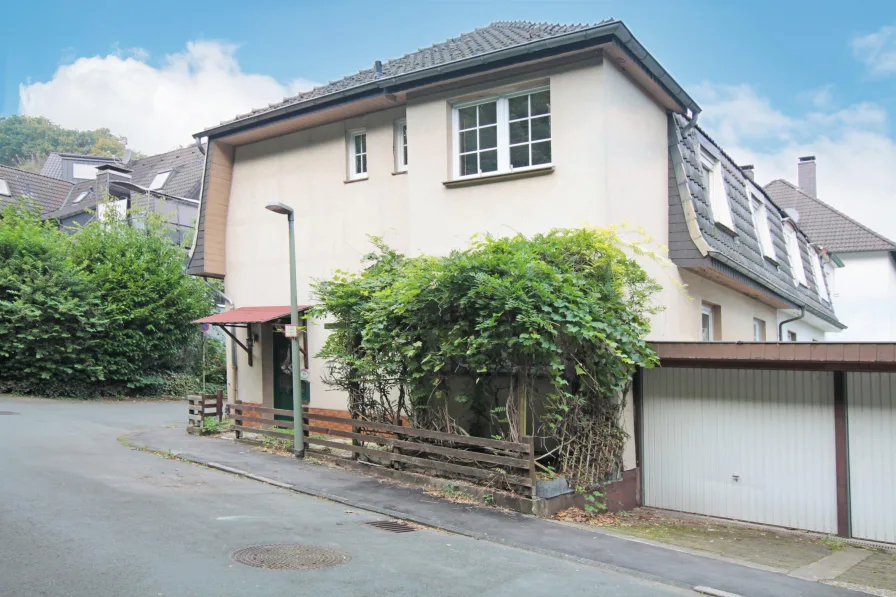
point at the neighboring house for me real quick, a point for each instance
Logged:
(46, 193)
(517, 128)
(74, 167)
(864, 287)
(167, 184)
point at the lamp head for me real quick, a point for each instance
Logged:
(279, 208)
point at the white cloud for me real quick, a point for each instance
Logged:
(852, 145)
(157, 109)
(877, 50)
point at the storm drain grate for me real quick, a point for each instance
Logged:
(290, 557)
(7, 412)
(393, 526)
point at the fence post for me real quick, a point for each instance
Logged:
(237, 421)
(219, 404)
(532, 476)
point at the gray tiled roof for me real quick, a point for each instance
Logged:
(833, 229)
(742, 251)
(47, 192)
(496, 36)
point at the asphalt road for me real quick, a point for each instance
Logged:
(82, 514)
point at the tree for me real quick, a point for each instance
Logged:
(25, 141)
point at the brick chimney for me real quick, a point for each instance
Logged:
(806, 175)
(748, 172)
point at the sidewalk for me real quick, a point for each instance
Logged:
(524, 532)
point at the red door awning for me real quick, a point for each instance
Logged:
(249, 315)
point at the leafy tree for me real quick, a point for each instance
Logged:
(25, 141)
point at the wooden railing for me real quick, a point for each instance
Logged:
(493, 460)
(206, 405)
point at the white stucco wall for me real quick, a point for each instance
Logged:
(864, 297)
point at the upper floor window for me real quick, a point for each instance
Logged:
(159, 180)
(4, 188)
(760, 224)
(83, 171)
(357, 154)
(503, 134)
(795, 256)
(710, 324)
(758, 330)
(714, 184)
(791, 336)
(401, 145)
(820, 286)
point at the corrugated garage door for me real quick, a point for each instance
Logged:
(871, 400)
(747, 445)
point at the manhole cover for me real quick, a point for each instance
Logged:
(7, 412)
(290, 557)
(393, 526)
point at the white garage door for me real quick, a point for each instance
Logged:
(871, 400)
(748, 445)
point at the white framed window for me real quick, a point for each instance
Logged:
(83, 171)
(159, 180)
(707, 322)
(4, 188)
(401, 145)
(80, 197)
(713, 182)
(758, 330)
(794, 256)
(760, 224)
(820, 286)
(357, 154)
(502, 134)
(791, 336)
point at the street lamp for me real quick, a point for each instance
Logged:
(299, 441)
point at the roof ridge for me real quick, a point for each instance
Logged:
(833, 209)
(36, 174)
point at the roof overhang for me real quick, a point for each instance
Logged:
(245, 315)
(810, 356)
(613, 36)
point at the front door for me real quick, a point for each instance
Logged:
(283, 376)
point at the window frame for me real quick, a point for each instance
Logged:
(353, 174)
(715, 188)
(714, 314)
(759, 330)
(152, 184)
(76, 165)
(4, 188)
(80, 197)
(820, 286)
(759, 213)
(400, 144)
(503, 132)
(795, 255)
(791, 336)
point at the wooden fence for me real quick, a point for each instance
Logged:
(206, 405)
(493, 460)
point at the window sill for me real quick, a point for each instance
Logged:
(399, 173)
(490, 178)
(772, 260)
(351, 180)
(725, 228)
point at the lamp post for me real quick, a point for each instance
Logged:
(299, 441)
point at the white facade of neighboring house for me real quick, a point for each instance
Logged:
(862, 269)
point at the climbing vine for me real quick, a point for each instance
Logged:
(510, 337)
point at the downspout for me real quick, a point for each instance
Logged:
(781, 325)
(232, 395)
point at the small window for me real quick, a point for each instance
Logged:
(80, 197)
(159, 180)
(820, 286)
(401, 146)
(795, 256)
(791, 336)
(4, 188)
(83, 171)
(760, 224)
(758, 330)
(357, 154)
(717, 197)
(710, 327)
(504, 134)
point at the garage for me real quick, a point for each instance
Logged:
(748, 444)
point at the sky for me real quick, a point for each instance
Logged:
(776, 79)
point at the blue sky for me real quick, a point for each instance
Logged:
(775, 78)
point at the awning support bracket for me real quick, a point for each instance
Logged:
(233, 337)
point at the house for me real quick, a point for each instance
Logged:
(861, 264)
(523, 127)
(46, 193)
(75, 167)
(167, 184)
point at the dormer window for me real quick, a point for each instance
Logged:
(795, 256)
(714, 184)
(83, 171)
(4, 188)
(760, 224)
(159, 181)
(820, 286)
(80, 197)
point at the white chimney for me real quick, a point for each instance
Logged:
(806, 175)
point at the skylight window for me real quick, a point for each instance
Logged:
(80, 197)
(4, 188)
(159, 181)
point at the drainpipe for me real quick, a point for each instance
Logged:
(233, 353)
(781, 325)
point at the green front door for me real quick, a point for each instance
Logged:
(283, 376)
